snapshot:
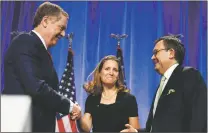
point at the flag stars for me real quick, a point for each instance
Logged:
(67, 86)
(66, 95)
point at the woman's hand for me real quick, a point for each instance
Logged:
(129, 128)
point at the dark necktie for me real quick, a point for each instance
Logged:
(50, 55)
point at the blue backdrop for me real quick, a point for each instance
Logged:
(92, 23)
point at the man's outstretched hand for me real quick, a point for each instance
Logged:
(76, 112)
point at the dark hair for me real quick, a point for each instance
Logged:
(173, 42)
(47, 9)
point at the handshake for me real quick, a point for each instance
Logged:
(76, 112)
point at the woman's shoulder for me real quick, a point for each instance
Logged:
(92, 97)
(126, 95)
(126, 98)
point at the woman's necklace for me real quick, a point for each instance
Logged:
(108, 97)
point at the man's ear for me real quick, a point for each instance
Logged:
(171, 53)
(44, 21)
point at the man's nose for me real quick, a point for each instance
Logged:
(153, 57)
(63, 33)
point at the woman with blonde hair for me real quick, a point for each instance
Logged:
(109, 105)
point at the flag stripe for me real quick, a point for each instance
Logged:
(73, 125)
(66, 123)
(61, 126)
(56, 129)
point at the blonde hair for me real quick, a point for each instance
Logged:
(95, 85)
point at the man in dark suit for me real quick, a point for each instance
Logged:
(180, 103)
(29, 69)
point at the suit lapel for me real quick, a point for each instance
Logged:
(150, 116)
(41, 45)
(37, 39)
(172, 82)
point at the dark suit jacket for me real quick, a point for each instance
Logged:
(28, 70)
(184, 110)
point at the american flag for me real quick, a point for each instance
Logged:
(67, 88)
(120, 57)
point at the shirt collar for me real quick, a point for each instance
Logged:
(170, 70)
(40, 38)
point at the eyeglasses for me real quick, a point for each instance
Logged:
(155, 52)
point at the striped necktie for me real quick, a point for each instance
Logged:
(159, 92)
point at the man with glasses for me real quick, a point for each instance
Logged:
(180, 102)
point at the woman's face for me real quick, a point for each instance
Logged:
(109, 73)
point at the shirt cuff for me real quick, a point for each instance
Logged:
(71, 106)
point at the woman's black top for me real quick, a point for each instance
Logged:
(111, 117)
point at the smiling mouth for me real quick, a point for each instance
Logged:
(109, 78)
(155, 62)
